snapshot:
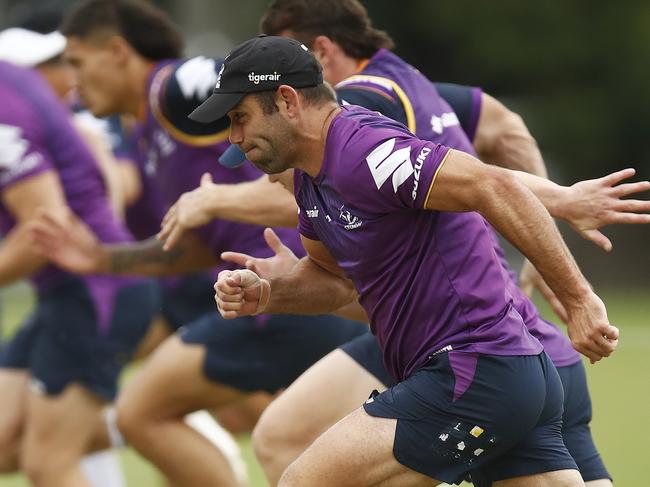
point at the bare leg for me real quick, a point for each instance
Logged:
(357, 451)
(599, 483)
(559, 478)
(151, 411)
(329, 390)
(13, 391)
(242, 417)
(58, 429)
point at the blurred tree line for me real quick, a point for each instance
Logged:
(577, 71)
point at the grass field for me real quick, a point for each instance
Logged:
(620, 388)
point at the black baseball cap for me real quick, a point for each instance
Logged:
(259, 64)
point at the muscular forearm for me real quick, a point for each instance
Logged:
(509, 206)
(309, 289)
(257, 202)
(148, 258)
(552, 195)
(17, 261)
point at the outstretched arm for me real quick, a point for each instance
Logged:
(258, 202)
(68, 242)
(465, 184)
(589, 205)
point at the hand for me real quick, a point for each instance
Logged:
(530, 279)
(241, 293)
(589, 329)
(280, 264)
(190, 211)
(67, 242)
(595, 203)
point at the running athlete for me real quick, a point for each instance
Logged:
(210, 362)
(385, 83)
(57, 376)
(369, 75)
(427, 275)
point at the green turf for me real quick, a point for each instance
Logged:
(619, 388)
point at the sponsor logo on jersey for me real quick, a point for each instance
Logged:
(418, 167)
(384, 163)
(440, 123)
(312, 213)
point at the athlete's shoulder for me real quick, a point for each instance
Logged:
(177, 88)
(358, 142)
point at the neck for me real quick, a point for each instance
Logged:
(314, 138)
(135, 102)
(343, 68)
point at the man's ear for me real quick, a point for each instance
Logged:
(288, 100)
(322, 48)
(120, 49)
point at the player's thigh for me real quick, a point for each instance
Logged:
(158, 332)
(356, 451)
(330, 389)
(172, 383)
(559, 478)
(13, 398)
(58, 427)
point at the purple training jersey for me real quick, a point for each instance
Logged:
(175, 155)
(36, 135)
(395, 88)
(430, 281)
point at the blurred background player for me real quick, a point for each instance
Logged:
(123, 69)
(83, 330)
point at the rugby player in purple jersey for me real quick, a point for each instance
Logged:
(365, 73)
(63, 365)
(355, 60)
(115, 47)
(431, 282)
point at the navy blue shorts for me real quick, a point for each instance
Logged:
(365, 351)
(576, 419)
(250, 356)
(60, 342)
(507, 423)
(187, 298)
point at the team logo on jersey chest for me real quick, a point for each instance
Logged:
(351, 221)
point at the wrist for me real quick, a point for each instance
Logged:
(560, 205)
(215, 201)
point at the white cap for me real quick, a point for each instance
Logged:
(28, 48)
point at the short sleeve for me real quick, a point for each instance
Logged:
(465, 101)
(391, 169)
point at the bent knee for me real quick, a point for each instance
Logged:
(131, 420)
(274, 439)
